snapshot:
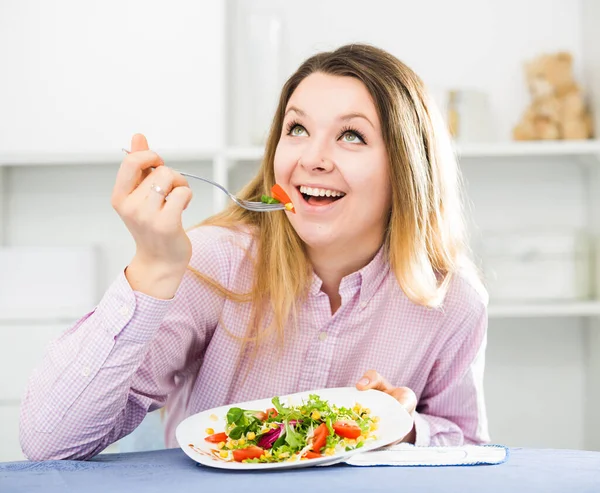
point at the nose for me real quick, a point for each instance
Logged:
(314, 159)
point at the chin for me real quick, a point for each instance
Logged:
(316, 235)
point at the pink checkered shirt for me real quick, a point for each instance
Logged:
(134, 353)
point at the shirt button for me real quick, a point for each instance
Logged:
(124, 310)
(86, 371)
(322, 336)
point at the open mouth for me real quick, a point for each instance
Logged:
(320, 196)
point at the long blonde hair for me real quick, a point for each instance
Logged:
(425, 238)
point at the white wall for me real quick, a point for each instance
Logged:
(111, 68)
(450, 44)
(457, 44)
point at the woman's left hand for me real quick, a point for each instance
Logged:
(404, 395)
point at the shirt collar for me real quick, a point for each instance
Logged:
(367, 280)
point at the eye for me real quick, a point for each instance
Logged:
(352, 136)
(296, 130)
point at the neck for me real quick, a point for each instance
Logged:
(334, 263)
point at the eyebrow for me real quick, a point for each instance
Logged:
(347, 117)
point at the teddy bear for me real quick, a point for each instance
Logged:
(557, 109)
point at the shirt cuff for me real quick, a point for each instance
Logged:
(129, 314)
(422, 430)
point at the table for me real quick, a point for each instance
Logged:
(171, 471)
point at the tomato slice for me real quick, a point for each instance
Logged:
(320, 437)
(217, 438)
(347, 429)
(312, 455)
(279, 193)
(247, 453)
(269, 413)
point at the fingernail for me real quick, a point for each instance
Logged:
(364, 381)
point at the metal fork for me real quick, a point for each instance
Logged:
(246, 204)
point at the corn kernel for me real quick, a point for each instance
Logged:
(210, 431)
(367, 410)
(329, 451)
(242, 441)
(351, 441)
(234, 443)
(220, 445)
(283, 455)
(229, 445)
(376, 419)
(316, 415)
(224, 454)
(374, 426)
(267, 454)
(251, 435)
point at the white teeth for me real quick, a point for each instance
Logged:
(320, 192)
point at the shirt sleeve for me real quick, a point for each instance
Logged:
(451, 411)
(99, 379)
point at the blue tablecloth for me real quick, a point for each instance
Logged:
(170, 471)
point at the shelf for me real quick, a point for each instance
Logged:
(484, 150)
(523, 149)
(584, 148)
(95, 158)
(573, 309)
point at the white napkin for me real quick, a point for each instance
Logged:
(405, 454)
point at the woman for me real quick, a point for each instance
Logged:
(368, 283)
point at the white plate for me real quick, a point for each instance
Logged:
(395, 423)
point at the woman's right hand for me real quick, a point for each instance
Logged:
(163, 249)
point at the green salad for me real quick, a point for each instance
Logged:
(308, 431)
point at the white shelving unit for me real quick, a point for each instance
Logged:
(586, 152)
(583, 148)
(530, 310)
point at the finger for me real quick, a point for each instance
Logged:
(166, 179)
(178, 201)
(139, 143)
(130, 174)
(406, 397)
(373, 380)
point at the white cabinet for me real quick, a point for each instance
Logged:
(84, 76)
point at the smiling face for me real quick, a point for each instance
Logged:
(332, 161)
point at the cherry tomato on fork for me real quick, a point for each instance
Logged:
(279, 193)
